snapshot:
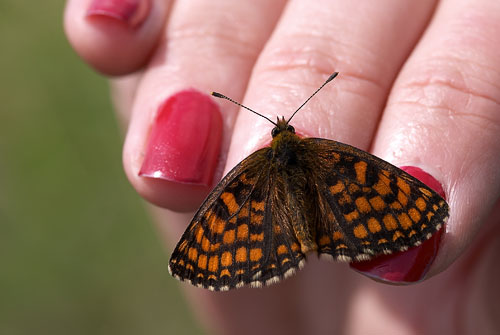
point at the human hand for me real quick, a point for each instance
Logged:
(418, 87)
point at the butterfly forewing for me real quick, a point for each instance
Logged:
(232, 240)
(370, 206)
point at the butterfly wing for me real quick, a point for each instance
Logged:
(232, 240)
(370, 207)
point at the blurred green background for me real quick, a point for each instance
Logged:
(78, 252)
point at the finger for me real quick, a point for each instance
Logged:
(312, 40)
(123, 90)
(443, 116)
(176, 132)
(115, 36)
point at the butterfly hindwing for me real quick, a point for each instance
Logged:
(370, 207)
(232, 240)
(285, 255)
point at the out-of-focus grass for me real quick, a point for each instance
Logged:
(78, 254)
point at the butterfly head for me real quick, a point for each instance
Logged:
(281, 126)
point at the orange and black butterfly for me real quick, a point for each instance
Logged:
(297, 196)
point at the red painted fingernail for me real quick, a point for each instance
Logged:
(132, 12)
(425, 178)
(412, 265)
(185, 139)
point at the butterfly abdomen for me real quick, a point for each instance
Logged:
(289, 162)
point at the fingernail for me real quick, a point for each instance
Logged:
(412, 265)
(185, 139)
(425, 178)
(131, 12)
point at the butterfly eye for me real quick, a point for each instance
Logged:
(290, 129)
(275, 132)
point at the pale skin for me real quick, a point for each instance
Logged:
(418, 85)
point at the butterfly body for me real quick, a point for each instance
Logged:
(288, 162)
(296, 196)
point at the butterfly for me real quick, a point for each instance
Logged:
(302, 195)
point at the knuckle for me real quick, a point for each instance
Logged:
(301, 59)
(306, 57)
(453, 95)
(216, 40)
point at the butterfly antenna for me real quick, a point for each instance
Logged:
(218, 95)
(326, 82)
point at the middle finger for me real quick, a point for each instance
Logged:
(367, 42)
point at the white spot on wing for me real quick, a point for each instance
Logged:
(257, 275)
(256, 284)
(362, 257)
(272, 280)
(344, 258)
(289, 272)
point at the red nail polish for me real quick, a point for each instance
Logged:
(185, 139)
(132, 12)
(412, 265)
